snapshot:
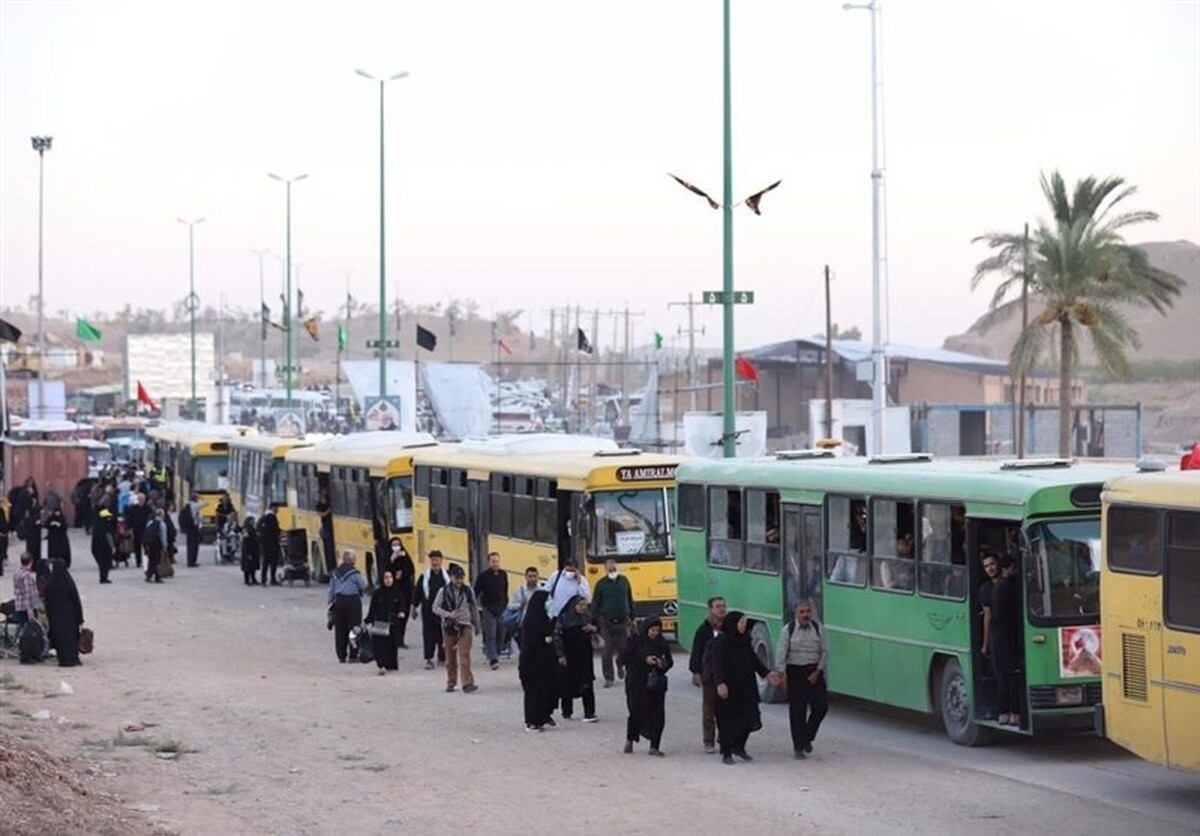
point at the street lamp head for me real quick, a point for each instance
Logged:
(300, 177)
(41, 144)
(399, 75)
(366, 74)
(274, 176)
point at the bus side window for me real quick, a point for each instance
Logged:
(725, 527)
(846, 522)
(762, 531)
(892, 562)
(941, 572)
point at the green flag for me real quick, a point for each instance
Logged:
(658, 340)
(341, 337)
(85, 330)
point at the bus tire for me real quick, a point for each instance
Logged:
(954, 704)
(760, 640)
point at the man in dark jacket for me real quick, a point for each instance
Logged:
(268, 546)
(491, 592)
(428, 585)
(708, 630)
(612, 607)
(104, 538)
(189, 524)
(138, 514)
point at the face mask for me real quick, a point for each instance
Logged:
(570, 574)
(612, 576)
(396, 549)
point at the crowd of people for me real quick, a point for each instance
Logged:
(558, 625)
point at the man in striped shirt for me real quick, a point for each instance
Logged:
(801, 657)
(25, 591)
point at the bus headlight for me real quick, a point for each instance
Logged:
(1070, 695)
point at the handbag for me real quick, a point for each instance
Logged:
(656, 681)
(87, 640)
(379, 628)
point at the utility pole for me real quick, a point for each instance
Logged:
(828, 359)
(262, 302)
(624, 361)
(729, 425)
(692, 331)
(41, 144)
(1024, 326)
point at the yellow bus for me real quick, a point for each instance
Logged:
(368, 479)
(1150, 611)
(258, 475)
(539, 499)
(196, 457)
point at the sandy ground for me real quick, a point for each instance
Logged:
(277, 737)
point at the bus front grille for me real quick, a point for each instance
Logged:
(1133, 667)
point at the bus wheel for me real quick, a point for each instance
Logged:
(955, 705)
(760, 640)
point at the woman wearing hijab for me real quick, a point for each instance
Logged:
(64, 611)
(58, 547)
(573, 632)
(733, 669)
(249, 552)
(403, 575)
(538, 664)
(645, 695)
(383, 615)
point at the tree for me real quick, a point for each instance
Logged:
(1082, 270)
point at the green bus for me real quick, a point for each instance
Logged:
(889, 550)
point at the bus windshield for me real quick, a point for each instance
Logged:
(400, 502)
(209, 473)
(629, 524)
(1063, 573)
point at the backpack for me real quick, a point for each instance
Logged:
(31, 645)
(792, 628)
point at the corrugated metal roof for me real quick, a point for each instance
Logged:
(853, 351)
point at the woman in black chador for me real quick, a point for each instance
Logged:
(383, 614)
(58, 547)
(646, 695)
(734, 665)
(64, 611)
(538, 665)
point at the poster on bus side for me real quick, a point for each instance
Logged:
(1079, 651)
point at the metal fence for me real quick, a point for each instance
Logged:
(1098, 431)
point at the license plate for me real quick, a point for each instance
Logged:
(1069, 696)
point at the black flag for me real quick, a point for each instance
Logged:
(582, 342)
(426, 338)
(9, 332)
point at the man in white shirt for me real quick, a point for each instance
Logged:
(801, 657)
(566, 584)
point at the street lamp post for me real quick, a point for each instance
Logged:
(262, 302)
(41, 144)
(382, 236)
(729, 382)
(287, 303)
(878, 354)
(192, 300)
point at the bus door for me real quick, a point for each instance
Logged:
(478, 497)
(801, 558)
(573, 526)
(999, 538)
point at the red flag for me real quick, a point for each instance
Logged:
(143, 397)
(504, 346)
(745, 369)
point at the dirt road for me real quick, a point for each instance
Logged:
(277, 737)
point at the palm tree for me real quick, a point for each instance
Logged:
(1081, 269)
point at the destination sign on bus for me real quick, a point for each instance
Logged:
(647, 473)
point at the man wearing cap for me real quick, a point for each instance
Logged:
(103, 542)
(455, 605)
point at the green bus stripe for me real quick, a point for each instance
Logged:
(894, 640)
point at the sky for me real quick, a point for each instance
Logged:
(528, 149)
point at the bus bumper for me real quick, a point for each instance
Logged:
(1068, 721)
(667, 611)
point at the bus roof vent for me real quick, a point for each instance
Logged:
(900, 458)
(621, 451)
(1035, 464)
(1149, 465)
(800, 455)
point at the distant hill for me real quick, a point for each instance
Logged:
(1172, 338)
